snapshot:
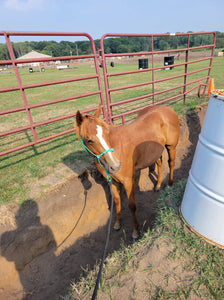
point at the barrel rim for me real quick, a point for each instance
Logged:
(218, 94)
(197, 233)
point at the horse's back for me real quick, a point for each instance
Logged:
(165, 118)
(163, 110)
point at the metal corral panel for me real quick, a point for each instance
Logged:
(203, 203)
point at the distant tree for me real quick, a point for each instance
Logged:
(21, 48)
(51, 48)
(163, 45)
(41, 45)
(111, 45)
(219, 39)
(97, 44)
(173, 42)
(4, 55)
(107, 50)
(220, 43)
(135, 48)
(122, 49)
(145, 44)
(84, 47)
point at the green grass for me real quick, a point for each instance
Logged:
(203, 261)
(21, 169)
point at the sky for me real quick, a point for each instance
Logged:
(116, 16)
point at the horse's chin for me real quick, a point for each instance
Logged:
(113, 170)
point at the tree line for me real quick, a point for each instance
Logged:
(111, 45)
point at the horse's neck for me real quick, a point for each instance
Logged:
(117, 134)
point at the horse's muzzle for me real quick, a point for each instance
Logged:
(114, 169)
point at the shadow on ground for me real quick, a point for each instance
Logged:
(62, 235)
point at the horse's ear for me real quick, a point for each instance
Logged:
(97, 113)
(79, 118)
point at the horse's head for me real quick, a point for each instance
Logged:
(94, 133)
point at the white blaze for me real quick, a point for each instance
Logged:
(102, 141)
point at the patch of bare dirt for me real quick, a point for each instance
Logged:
(150, 273)
(47, 243)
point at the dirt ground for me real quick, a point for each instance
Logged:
(51, 241)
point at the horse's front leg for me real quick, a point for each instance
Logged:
(117, 201)
(130, 190)
(116, 195)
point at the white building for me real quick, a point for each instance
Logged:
(32, 55)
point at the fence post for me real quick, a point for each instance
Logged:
(186, 67)
(22, 91)
(98, 75)
(153, 75)
(211, 60)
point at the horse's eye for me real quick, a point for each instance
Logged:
(89, 141)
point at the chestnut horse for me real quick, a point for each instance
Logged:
(122, 150)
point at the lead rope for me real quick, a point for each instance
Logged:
(109, 179)
(106, 243)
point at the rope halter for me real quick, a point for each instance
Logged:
(98, 156)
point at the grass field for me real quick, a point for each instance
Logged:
(21, 170)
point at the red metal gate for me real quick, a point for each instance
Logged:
(190, 57)
(24, 89)
(147, 86)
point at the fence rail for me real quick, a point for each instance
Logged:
(199, 83)
(23, 88)
(152, 93)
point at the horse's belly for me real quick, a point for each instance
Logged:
(146, 154)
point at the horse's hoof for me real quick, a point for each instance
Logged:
(157, 189)
(117, 228)
(170, 182)
(134, 239)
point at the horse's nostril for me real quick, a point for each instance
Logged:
(115, 168)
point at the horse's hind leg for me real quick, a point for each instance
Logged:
(171, 161)
(159, 175)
